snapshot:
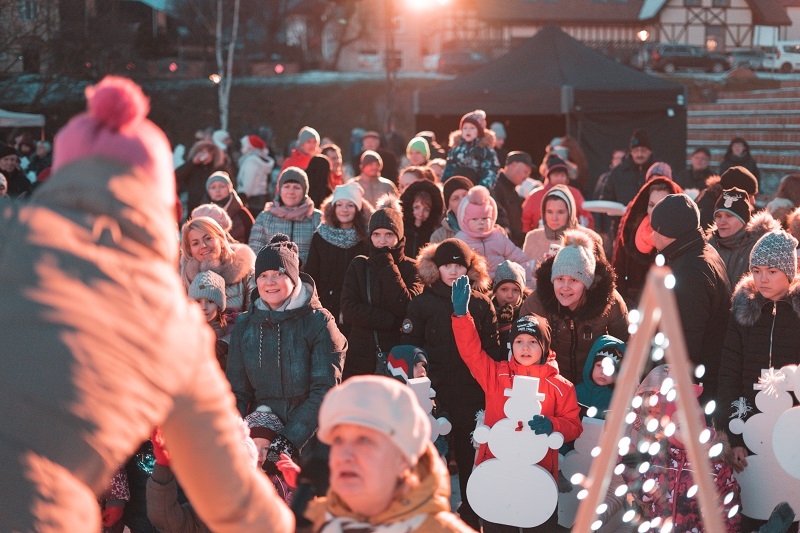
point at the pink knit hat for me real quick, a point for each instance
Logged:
(115, 127)
(478, 203)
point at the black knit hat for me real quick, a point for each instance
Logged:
(519, 157)
(640, 138)
(281, 255)
(452, 251)
(534, 325)
(739, 177)
(556, 163)
(736, 202)
(387, 218)
(6, 150)
(675, 216)
(453, 184)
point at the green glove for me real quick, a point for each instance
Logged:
(460, 295)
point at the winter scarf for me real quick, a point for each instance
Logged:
(339, 237)
(298, 213)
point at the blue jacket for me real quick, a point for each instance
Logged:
(590, 394)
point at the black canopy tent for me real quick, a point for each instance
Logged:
(553, 85)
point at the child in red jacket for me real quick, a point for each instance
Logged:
(530, 356)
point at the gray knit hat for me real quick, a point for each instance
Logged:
(509, 271)
(576, 259)
(220, 176)
(263, 423)
(776, 249)
(209, 285)
(306, 133)
(293, 175)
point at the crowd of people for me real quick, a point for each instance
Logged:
(308, 273)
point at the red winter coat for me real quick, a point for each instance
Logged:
(560, 403)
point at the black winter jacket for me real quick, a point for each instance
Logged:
(417, 237)
(626, 180)
(703, 294)
(758, 328)
(393, 283)
(509, 208)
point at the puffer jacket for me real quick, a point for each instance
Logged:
(735, 250)
(761, 333)
(574, 332)
(417, 237)
(238, 273)
(100, 344)
(477, 155)
(286, 360)
(703, 295)
(392, 287)
(590, 394)
(559, 405)
(626, 180)
(631, 265)
(254, 170)
(426, 509)
(428, 326)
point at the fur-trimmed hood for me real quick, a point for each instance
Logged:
(478, 272)
(238, 268)
(635, 214)
(748, 302)
(759, 224)
(599, 297)
(487, 141)
(329, 215)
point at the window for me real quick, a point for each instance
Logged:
(27, 9)
(720, 3)
(692, 3)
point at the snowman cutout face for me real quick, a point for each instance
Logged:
(500, 489)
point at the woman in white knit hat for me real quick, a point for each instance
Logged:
(385, 474)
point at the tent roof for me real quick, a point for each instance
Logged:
(9, 119)
(531, 79)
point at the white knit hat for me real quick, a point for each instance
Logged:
(380, 403)
(215, 212)
(351, 191)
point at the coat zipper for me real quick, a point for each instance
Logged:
(772, 330)
(572, 349)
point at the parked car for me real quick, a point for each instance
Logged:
(669, 57)
(751, 58)
(460, 61)
(783, 57)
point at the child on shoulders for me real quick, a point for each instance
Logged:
(472, 152)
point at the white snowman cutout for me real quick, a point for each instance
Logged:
(578, 461)
(512, 489)
(772, 435)
(425, 395)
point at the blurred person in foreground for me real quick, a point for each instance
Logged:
(100, 342)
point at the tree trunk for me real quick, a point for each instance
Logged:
(225, 68)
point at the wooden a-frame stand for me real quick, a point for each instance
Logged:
(657, 310)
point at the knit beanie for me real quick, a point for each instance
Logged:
(221, 177)
(556, 163)
(640, 138)
(351, 191)
(420, 145)
(115, 127)
(263, 423)
(534, 325)
(478, 203)
(519, 156)
(477, 118)
(218, 137)
(380, 403)
(215, 212)
(776, 249)
(509, 272)
(252, 142)
(370, 156)
(6, 150)
(387, 218)
(371, 133)
(453, 184)
(281, 255)
(675, 216)
(659, 168)
(741, 178)
(208, 284)
(452, 251)
(402, 359)
(498, 129)
(576, 259)
(307, 133)
(293, 175)
(736, 202)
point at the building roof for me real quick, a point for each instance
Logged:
(560, 11)
(606, 12)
